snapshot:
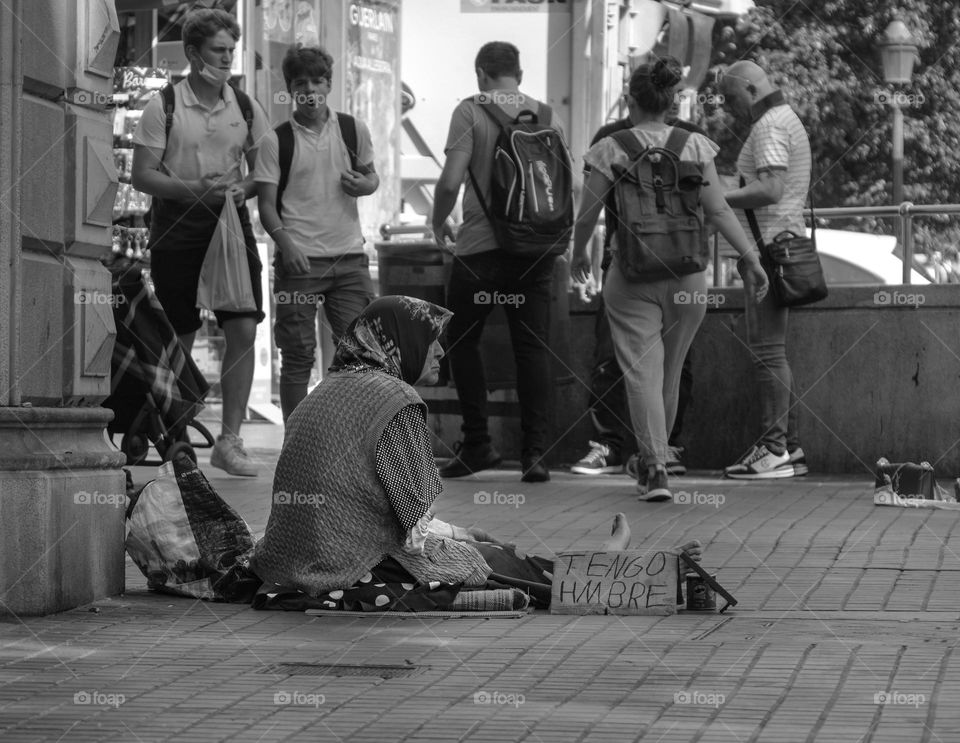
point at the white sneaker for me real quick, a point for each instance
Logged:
(229, 455)
(761, 464)
(799, 461)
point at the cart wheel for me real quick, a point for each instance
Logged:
(135, 446)
(171, 453)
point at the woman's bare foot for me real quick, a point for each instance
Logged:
(694, 549)
(619, 535)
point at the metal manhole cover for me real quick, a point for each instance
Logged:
(344, 669)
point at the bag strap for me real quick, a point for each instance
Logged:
(348, 132)
(169, 105)
(285, 150)
(628, 143)
(677, 141)
(755, 227)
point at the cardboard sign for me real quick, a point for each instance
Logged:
(630, 582)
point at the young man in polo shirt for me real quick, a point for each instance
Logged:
(775, 164)
(320, 258)
(189, 172)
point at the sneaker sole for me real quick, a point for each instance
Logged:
(778, 474)
(577, 470)
(656, 496)
(800, 470)
(676, 469)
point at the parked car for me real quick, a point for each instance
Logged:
(858, 258)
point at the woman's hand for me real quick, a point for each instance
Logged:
(580, 265)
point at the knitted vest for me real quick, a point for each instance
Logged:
(331, 520)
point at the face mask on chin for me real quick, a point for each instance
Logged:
(214, 75)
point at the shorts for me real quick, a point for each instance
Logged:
(175, 261)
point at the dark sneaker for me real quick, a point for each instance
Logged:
(470, 458)
(799, 462)
(600, 460)
(534, 469)
(761, 464)
(675, 465)
(654, 486)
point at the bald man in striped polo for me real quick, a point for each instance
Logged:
(774, 166)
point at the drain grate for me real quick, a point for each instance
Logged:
(344, 669)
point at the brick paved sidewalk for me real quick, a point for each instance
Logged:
(844, 632)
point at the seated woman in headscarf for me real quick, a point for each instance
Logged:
(356, 479)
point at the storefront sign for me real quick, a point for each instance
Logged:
(514, 6)
(614, 583)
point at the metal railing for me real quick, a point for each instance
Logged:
(904, 214)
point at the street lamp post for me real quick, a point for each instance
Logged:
(898, 52)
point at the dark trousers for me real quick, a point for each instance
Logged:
(608, 404)
(478, 283)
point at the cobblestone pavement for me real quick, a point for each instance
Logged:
(845, 631)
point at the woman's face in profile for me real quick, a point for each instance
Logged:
(431, 365)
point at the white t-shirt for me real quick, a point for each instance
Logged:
(318, 216)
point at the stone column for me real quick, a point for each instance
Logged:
(61, 487)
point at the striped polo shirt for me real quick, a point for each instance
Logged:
(777, 141)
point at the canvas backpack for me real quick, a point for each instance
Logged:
(660, 226)
(531, 185)
(285, 143)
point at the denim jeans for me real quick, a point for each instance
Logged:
(652, 328)
(340, 285)
(767, 339)
(522, 286)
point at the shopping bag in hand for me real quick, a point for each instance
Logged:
(225, 274)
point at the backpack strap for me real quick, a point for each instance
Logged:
(628, 143)
(677, 141)
(348, 132)
(169, 98)
(285, 148)
(246, 108)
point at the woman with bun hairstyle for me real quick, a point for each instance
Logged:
(652, 330)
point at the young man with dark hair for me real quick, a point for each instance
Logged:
(188, 155)
(481, 267)
(308, 179)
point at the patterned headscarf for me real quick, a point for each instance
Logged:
(392, 334)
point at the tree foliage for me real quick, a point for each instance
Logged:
(825, 56)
